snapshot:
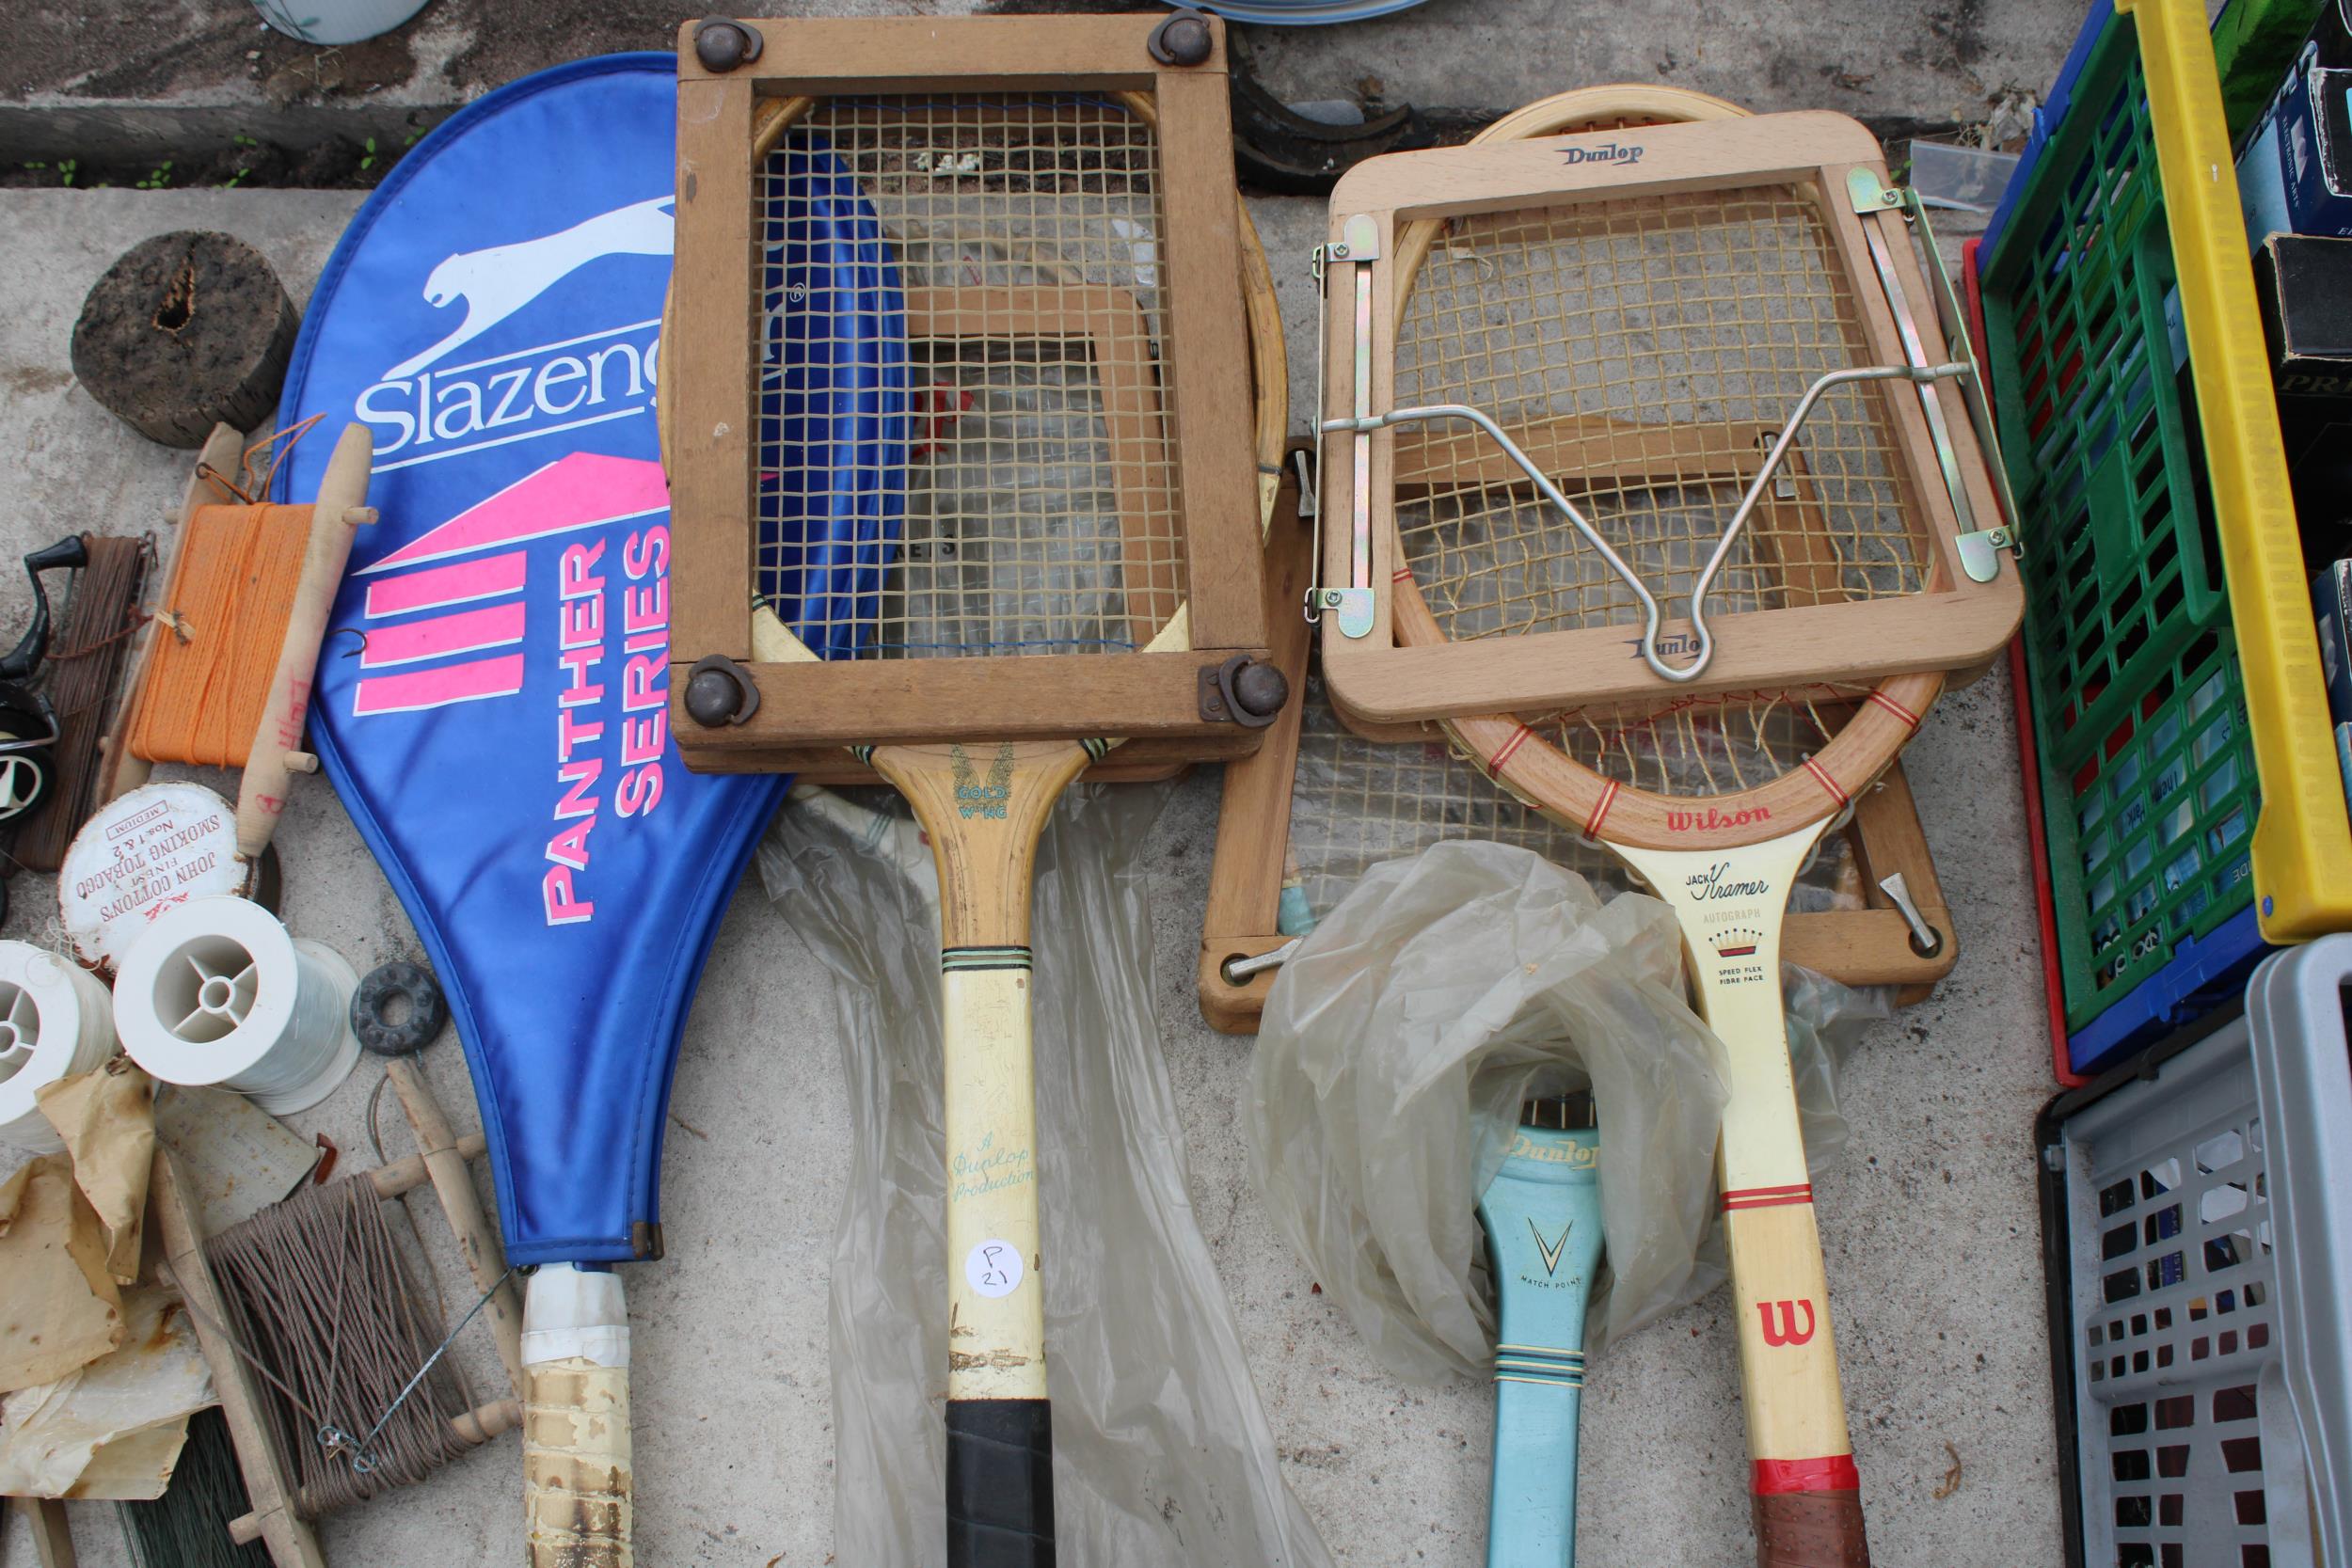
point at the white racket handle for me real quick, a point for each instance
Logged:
(576, 1483)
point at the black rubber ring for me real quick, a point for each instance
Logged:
(427, 1011)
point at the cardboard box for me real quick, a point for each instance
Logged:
(2295, 174)
(2304, 287)
(2331, 606)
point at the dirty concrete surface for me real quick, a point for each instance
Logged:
(118, 78)
(1931, 1230)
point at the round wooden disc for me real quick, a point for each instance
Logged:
(188, 330)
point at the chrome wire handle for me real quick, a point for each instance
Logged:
(1652, 616)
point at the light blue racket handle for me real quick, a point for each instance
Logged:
(1542, 1215)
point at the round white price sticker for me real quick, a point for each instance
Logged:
(994, 1268)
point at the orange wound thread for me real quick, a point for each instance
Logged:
(1608, 799)
(1821, 776)
(222, 620)
(1403, 574)
(1911, 719)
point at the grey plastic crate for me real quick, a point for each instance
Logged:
(2303, 1084)
(2190, 1211)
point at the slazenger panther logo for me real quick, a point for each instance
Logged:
(499, 280)
(445, 617)
(425, 408)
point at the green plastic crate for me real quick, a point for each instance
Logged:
(2148, 791)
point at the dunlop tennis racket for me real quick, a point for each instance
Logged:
(1613, 372)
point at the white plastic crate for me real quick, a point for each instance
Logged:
(2192, 1210)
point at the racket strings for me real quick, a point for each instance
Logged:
(1703, 746)
(1018, 491)
(1356, 803)
(1644, 351)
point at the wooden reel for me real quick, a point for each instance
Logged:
(220, 675)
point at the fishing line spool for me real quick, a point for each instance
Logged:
(217, 993)
(55, 1021)
(141, 853)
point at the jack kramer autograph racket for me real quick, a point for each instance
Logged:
(1682, 388)
(1025, 502)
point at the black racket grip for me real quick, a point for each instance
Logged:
(1000, 1483)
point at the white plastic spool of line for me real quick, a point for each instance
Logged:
(55, 1021)
(214, 991)
(143, 853)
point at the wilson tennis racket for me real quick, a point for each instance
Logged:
(1613, 372)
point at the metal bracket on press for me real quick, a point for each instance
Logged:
(1359, 245)
(1925, 939)
(1980, 552)
(1979, 548)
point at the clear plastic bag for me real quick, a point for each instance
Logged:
(1399, 1042)
(1162, 1451)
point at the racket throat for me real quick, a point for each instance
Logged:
(982, 806)
(1732, 904)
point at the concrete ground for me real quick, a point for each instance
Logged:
(1931, 1231)
(132, 83)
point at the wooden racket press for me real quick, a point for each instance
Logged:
(1183, 424)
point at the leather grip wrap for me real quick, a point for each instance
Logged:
(1000, 1483)
(575, 1463)
(1810, 1529)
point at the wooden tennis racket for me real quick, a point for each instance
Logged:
(1030, 278)
(1612, 373)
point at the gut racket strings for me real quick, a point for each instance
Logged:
(1507, 318)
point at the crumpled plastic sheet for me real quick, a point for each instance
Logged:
(1399, 1042)
(1162, 1451)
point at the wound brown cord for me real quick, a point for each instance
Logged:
(322, 1309)
(85, 663)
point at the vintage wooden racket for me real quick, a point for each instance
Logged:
(1613, 371)
(1048, 538)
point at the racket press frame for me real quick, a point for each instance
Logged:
(441, 1161)
(1866, 946)
(1958, 625)
(1156, 698)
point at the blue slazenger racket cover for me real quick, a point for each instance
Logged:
(492, 696)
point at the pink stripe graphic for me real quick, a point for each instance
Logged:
(487, 578)
(465, 632)
(450, 683)
(571, 493)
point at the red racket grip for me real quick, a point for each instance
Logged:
(1000, 1483)
(1810, 1529)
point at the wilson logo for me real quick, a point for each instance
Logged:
(1708, 819)
(1785, 1331)
(1607, 153)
